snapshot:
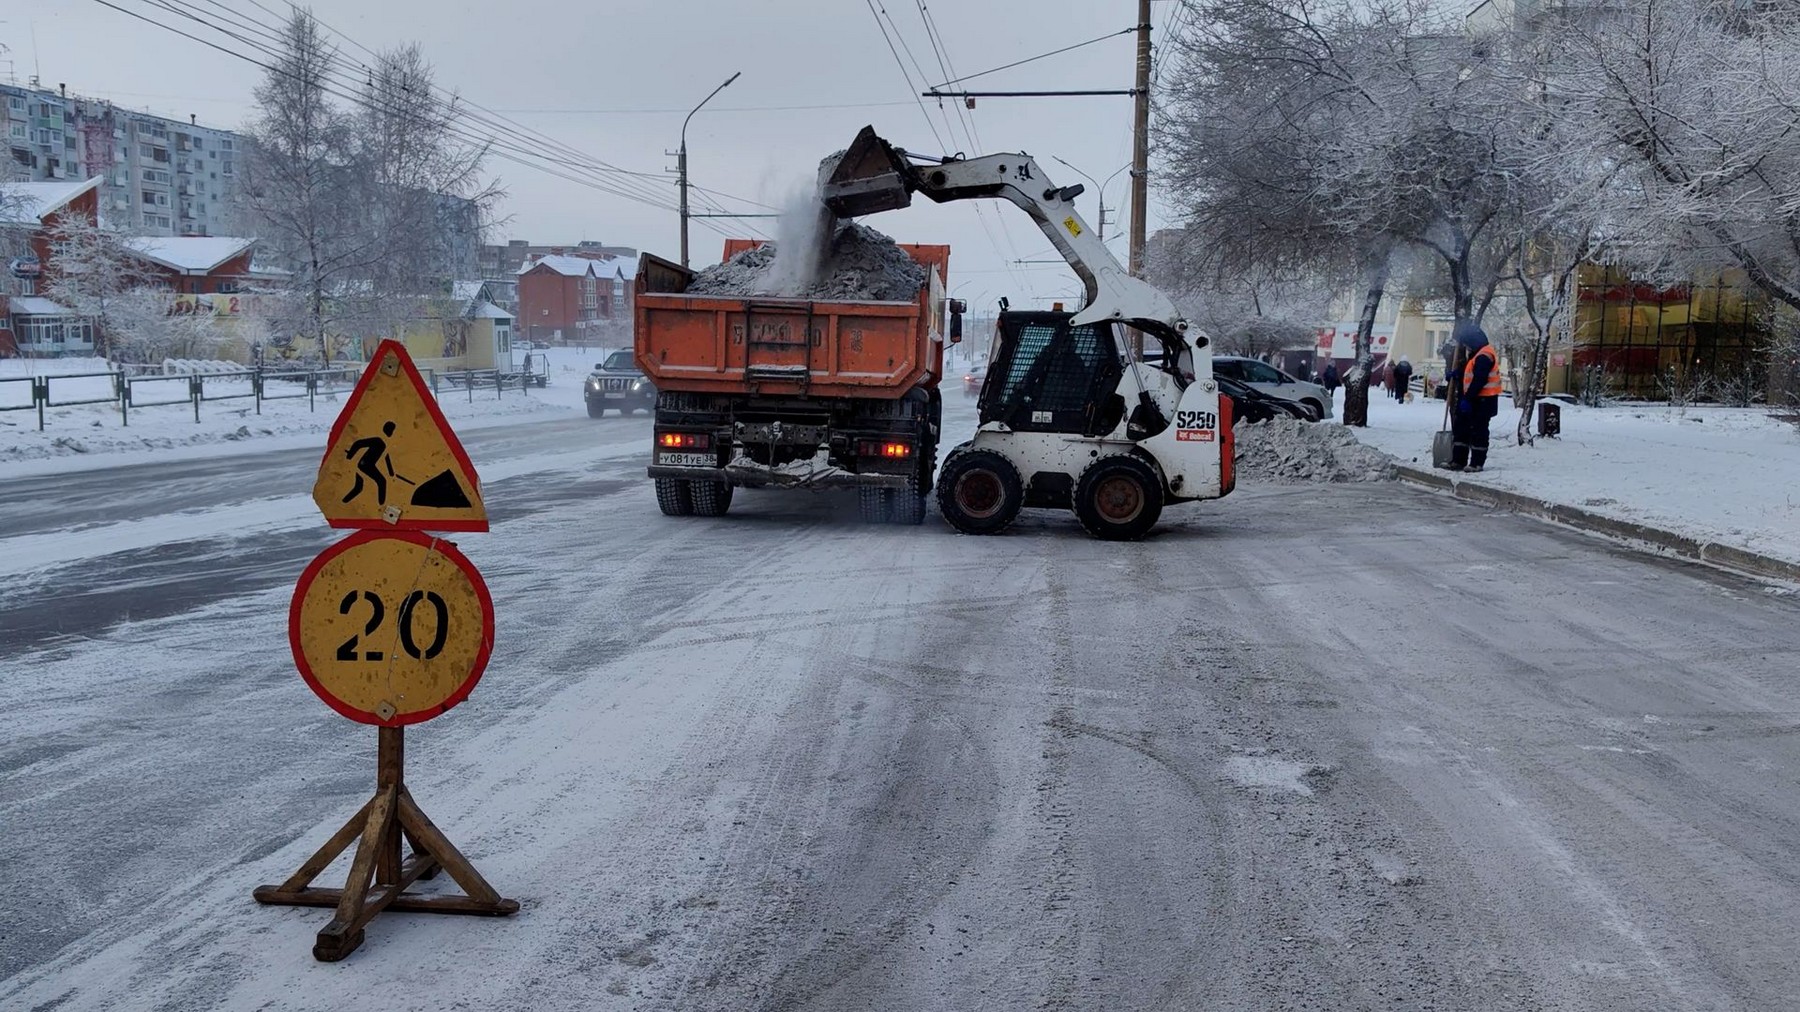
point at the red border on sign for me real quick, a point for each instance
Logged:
(457, 452)
(449, 551)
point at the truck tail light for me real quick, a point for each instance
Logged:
(684, 440)
(883, 448)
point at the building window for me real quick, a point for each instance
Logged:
(16, 103)
(618, 298)
(589, 293)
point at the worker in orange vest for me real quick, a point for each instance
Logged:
(1479, 402)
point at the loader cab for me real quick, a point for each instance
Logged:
(1045, 375)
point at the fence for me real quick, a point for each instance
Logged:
(130, 392)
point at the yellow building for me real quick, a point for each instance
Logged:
(1638, 333)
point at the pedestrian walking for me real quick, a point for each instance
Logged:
(1479, 402)
(1329, 378)
(1402, 379)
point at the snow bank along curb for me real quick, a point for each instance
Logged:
(1725, 556)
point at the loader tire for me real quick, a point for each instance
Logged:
(710, 498)
(1118, 498)
(674, 498)
(980, 492)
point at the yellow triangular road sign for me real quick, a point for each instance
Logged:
(392, 461)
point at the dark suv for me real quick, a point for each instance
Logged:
(618, 383)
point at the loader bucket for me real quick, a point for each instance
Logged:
(870, 176)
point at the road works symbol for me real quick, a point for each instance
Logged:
(391, 629)
(392, 461)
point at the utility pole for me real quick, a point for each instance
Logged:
(1140, 141)
(681, 165)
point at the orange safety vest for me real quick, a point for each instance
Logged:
(1492, 387)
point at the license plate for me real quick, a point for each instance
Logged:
(614, 397)
(688, 459)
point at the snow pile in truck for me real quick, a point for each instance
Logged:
(860, 265)
(1287, 451)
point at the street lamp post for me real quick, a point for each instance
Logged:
(1099, 191)
(681, 166)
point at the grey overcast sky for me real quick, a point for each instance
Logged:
(614, 79)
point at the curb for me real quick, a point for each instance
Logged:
(1723, 556)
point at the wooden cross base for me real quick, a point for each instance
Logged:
(380, 824)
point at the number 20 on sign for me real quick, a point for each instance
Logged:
(391, 628)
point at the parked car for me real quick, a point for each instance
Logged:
(1252, 405)
(1315, 399)
(619, 383)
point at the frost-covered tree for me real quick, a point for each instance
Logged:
(145, 330)
(294, 179)
(364, 192)
(1330, 135)
(92, 266)
(1697, 104)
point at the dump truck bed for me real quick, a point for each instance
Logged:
(762, 345)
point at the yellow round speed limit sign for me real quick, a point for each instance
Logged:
(391, 628)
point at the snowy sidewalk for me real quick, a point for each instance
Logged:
(1725, 475)
(91, 435)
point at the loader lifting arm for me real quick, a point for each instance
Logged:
(873, 175)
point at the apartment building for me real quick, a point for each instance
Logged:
(159, 176)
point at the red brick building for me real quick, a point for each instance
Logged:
(576, 299)
(29, 212)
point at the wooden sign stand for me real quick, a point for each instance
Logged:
(379, 825)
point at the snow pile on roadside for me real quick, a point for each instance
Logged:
(1287, 451)
(862, 265)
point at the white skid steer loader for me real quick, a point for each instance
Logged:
(1070, 417)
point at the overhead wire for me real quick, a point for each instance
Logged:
(481, 116)
(345, 86)
(587, 170)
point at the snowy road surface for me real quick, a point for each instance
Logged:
(1347, 747)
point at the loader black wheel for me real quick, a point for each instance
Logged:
(674, 498)
(1118, 498)
(873, 505)
(980, 492)
(710, 498)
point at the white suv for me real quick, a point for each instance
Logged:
(1315, 399)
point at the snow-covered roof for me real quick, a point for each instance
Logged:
(567, 266)
(489, 311)
(29, 203)
(190, 254)
(617, 267)
(466, 291)
(579, 267)
(29, 305)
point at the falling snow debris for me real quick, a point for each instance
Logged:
(1287, 451)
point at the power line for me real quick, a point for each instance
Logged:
(592, 172)
(723, 108)
(1034, 59)
(506, 152)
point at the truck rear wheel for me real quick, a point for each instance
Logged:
(980, 492)
(710, 498)
(872, 505)
(674, 498)
(907, 505)
(1118, 498)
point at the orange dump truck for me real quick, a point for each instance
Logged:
(760, 392)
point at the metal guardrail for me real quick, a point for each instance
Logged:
(133, 392)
